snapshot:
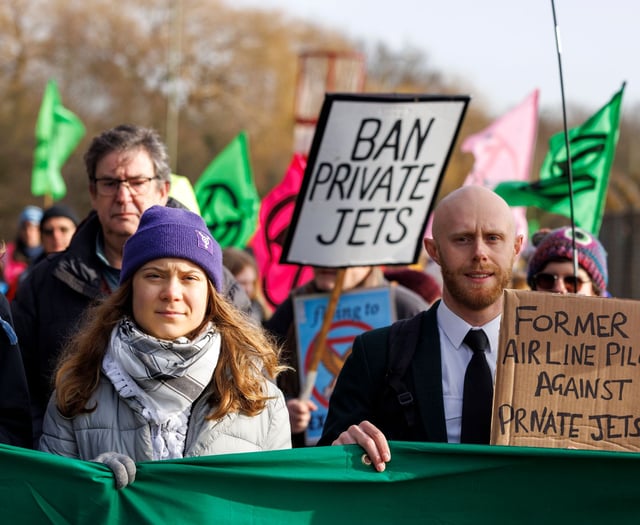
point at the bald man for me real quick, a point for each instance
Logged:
(475, 243)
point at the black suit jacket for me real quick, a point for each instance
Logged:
(361, 389)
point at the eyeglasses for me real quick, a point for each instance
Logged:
(107, 187)
(547, 281)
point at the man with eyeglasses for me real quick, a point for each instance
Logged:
(128, 171)
(551, 265)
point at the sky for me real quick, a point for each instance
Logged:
(501, 50)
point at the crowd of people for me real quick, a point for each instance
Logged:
(130, 335)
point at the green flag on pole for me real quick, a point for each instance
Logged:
(58, 132)
(228, 199)
(592, 146)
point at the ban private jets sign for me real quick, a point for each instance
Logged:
(373, 173)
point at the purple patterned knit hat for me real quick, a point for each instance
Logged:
(172, 232)
(557, 245)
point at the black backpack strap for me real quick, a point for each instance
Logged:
(403, 340)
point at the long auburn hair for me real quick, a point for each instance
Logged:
(247, 355)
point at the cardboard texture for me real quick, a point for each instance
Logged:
(568, 372)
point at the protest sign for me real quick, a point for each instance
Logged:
(568, 372)
(374, 169)
(357, 311)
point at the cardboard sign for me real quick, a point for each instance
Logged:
(357, 311)
(568, 372)
(374, 169)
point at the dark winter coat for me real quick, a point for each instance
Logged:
(15, 419)
(52, 299)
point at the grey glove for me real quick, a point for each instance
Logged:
(123, 467)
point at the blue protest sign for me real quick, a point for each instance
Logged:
(357, 311)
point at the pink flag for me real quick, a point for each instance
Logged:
(504, 151)
(276, 211)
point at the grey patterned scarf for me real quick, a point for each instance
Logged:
(165, 377)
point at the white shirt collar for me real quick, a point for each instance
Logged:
(456, 328)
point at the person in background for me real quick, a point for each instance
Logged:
(281, 324)
(26, 248)
(475, 243)
(4, 287)
(127, 172)
(15, 415)
(166, 367)
(551, 269)
(244, 268)
(424, 284)
(58, 224)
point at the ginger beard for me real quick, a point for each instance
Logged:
(476, 297)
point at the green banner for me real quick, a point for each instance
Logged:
(423, 483)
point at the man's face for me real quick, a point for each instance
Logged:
(475, 270)
(57, 233)
(120, 213)
(476, 247)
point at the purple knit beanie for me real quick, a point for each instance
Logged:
(172, 232)
(557, 245)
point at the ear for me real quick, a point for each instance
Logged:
(432, 249)
(165, 189)
(517, 246)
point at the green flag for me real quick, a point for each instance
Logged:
(58, 132)
(228, 199)
(592, 146)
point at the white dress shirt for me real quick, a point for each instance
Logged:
(455, 358)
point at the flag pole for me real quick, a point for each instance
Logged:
(566, 143)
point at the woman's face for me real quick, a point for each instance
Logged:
(30, 233)
(170, 298)
(247, 278)
(556, 273)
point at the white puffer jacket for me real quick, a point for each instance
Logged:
(115, 427)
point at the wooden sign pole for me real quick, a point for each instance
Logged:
(319, 347)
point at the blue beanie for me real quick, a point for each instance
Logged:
(31, 214)
(172, 232)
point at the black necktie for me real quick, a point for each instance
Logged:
(478, 392)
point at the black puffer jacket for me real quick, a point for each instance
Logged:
(15, 420)
(52, 299)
